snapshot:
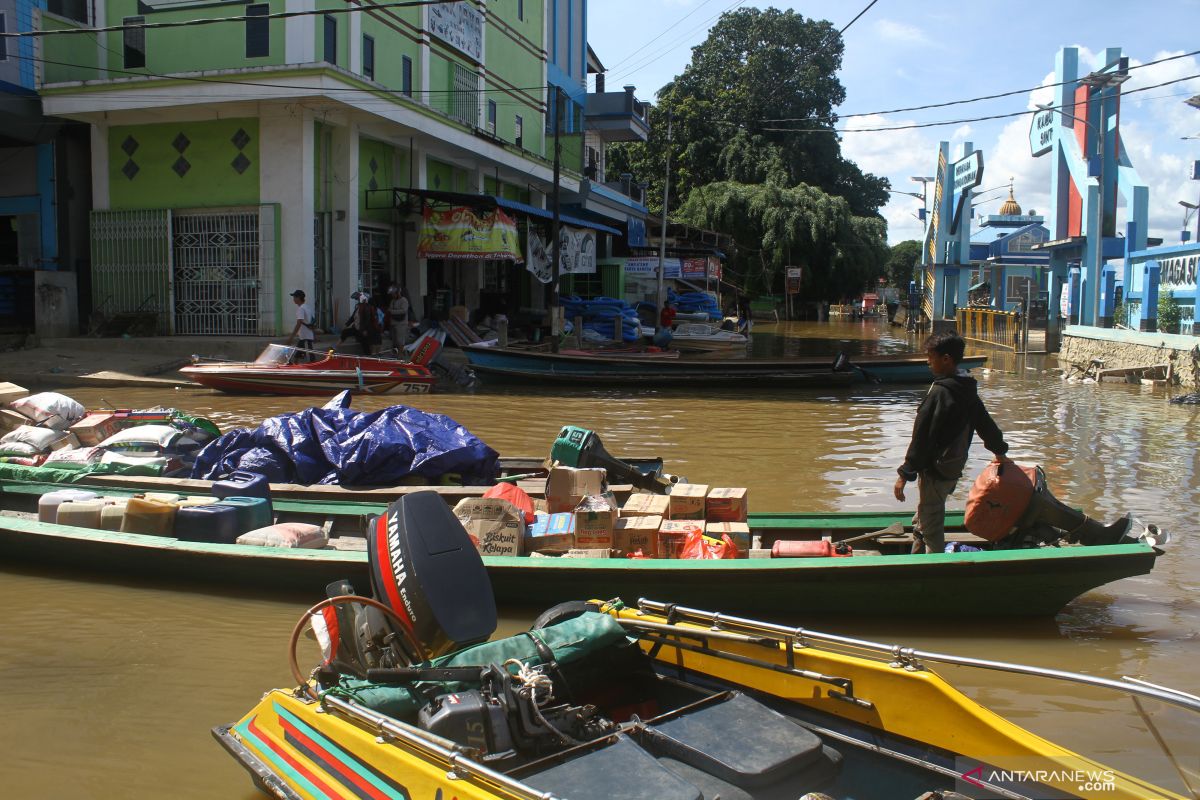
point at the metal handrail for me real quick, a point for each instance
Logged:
(294, 349)
(908, 657)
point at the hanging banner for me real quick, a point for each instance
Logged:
(459, 25)
(648, 265)
(694, 268)
(538, 262)
(577, 250)
(468, 234)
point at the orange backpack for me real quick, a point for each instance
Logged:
(998, 499)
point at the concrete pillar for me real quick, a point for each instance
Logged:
(300, 33)
(1073, 295)
(1150, 278)
(286, 165)
(1107, 298)
(99, 134)
(354, 42)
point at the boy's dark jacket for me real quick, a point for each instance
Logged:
(942, 431)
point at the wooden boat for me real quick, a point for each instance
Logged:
(518, 364)
(661, 701)
(1004, 583)
(698, 337)
(277, 372)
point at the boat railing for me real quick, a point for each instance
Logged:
(902, 657)
(291, 350)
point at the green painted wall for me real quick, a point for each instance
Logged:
(343, 34)
(391, 47)
(67, 50)
(210, 179)
(220, 45)
(375, 171)
(511, 46)
(443, 177)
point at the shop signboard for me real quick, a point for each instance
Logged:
(966, 174)
(648, 265)
(538, 262)
(636, 229)
(794, 274)
(714, 268)
(695, 268)
(577, 250)
(459, 25)
(465, 233)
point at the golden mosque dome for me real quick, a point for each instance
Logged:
(1010, 207)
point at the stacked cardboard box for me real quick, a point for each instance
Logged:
(496, 526)
(687, 500)
(638, 533)
(658, 525)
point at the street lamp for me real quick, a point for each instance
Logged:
(1188, 208)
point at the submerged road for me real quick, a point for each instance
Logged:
(111, 688)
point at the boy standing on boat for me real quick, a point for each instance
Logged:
(946, 419)
(302, 334)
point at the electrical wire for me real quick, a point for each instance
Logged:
(637, 50)
(648, 60)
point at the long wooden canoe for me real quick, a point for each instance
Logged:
(974, 584)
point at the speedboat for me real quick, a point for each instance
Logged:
(708, 338)
(283, 370)
(655, 700)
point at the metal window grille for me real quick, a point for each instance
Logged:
(331, 36)
(216, 260)
(322, 274)
(3, 40)
(131, 264)
(464, 101)
(368, 57)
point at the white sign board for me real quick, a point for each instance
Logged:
(459, 25)
(1041, 133)
(577, 251)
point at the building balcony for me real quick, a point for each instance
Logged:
(617, 116)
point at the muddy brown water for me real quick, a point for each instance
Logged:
(110, 688)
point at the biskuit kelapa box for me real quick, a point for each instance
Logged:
(641, 504)
(637, 533)
(726, 505)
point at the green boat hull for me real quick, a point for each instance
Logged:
(983, 584)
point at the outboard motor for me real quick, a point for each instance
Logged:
(425, 568)
(582, 448)
(1012, 506)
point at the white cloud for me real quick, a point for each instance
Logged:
(902, 33)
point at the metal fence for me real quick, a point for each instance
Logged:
(216, 272)
(131, 264)
(1007, 329)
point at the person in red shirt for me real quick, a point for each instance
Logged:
(667, 318)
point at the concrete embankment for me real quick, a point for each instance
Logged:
(1122, 349)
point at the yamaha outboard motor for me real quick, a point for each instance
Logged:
(425, 568)
(579, 447)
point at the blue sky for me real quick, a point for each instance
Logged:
(906, 53)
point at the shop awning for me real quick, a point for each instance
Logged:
(566, 219)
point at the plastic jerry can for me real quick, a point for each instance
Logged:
(150, 517)
(49, 502)
(112, 515)
(197, 500)
(212, 522)
(163, 497)
(242, 484)
(253, 512)
(80, 513)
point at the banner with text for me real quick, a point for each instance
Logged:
(648, 265)
(468, 234)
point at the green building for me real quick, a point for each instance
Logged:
(236, 161)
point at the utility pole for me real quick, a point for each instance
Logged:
(662, 242)
(556, 226)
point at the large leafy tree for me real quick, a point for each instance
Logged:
(778, 226)
(902, 264)
(756, 67)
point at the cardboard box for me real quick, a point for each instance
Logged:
(726, 505)
(673, 533)
(95, 428)
(551, 532)
(567, 486)
(10, 392)
(496, 526)
(68, 441)
(640, 504)
(739, 532)
(595, 552)
(11, 420)
(595, 519)
(687, 500)
(637, 533)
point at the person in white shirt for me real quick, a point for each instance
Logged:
(302, 333)
(398, 313)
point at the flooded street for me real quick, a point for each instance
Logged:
(111, 688)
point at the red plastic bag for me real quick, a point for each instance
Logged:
(698, 546)
(515, 495)
(998, 499)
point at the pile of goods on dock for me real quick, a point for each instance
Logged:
(238, 511)
(601, 316)
(580, 518)
(51, 436)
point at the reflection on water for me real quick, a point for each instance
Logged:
(101, 675)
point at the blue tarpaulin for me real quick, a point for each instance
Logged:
(338, 445)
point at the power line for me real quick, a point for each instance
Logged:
(975, 99)
(856, 16)
(634, 53)
(214, 20)
(965, 120)
(647, 61)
